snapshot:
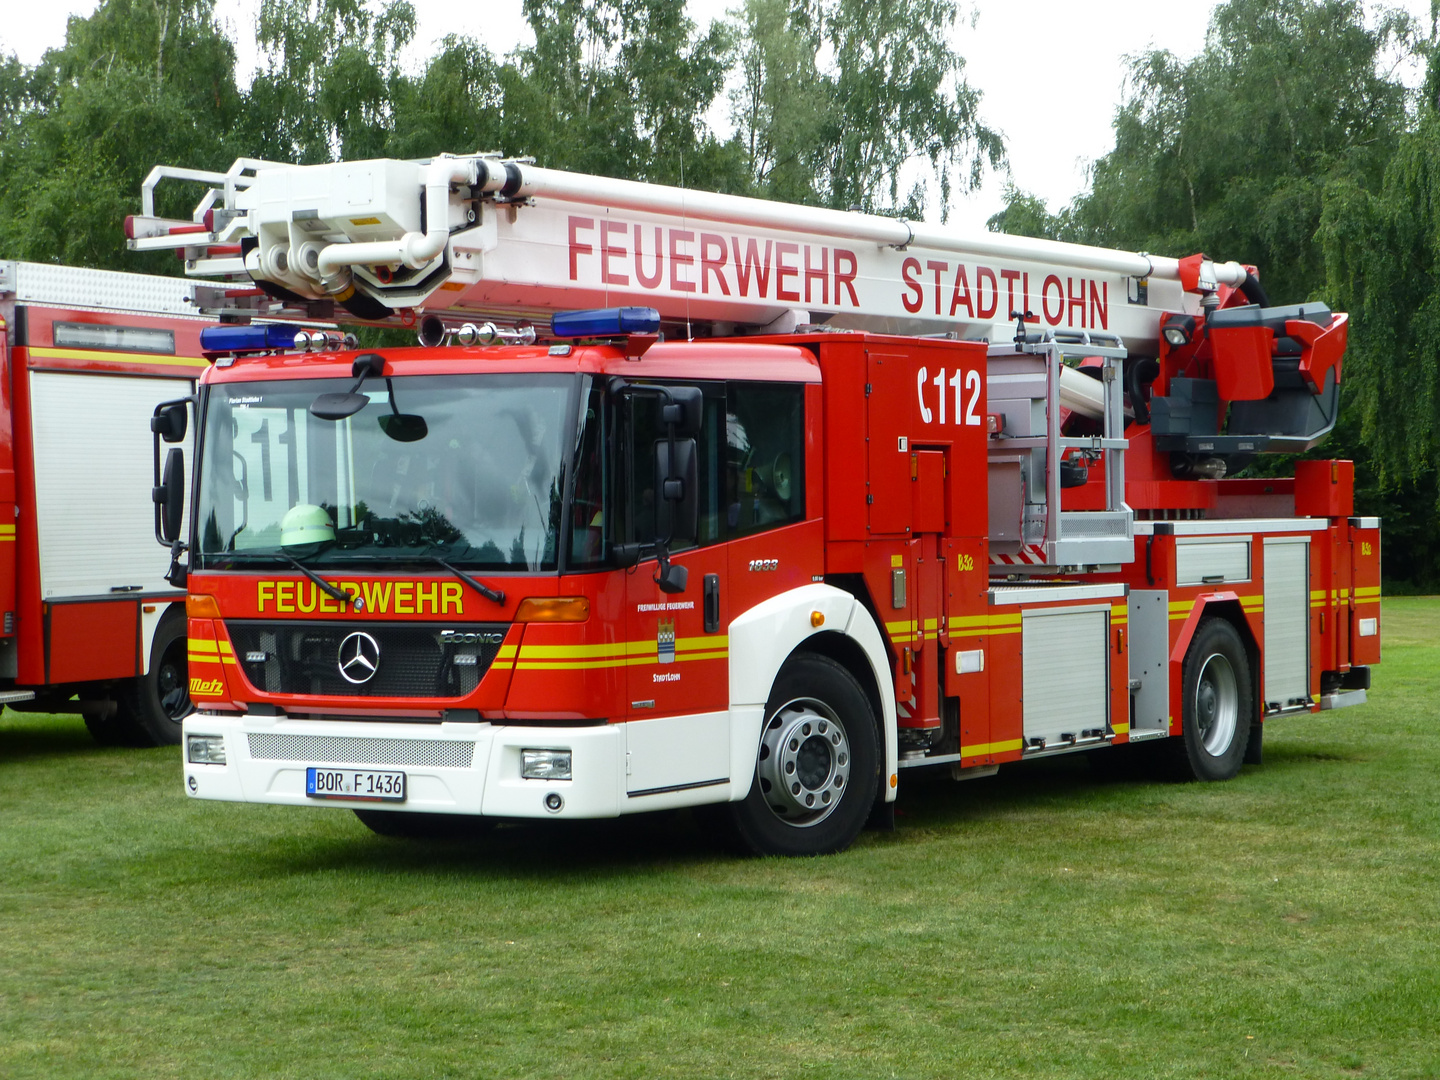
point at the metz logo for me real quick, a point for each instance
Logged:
(665, 641)
(206, 687)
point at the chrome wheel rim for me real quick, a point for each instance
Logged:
(804, 763)
(1217, 705)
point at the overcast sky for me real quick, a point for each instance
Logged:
(1051, 71)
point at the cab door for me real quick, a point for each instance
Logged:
(677, 674)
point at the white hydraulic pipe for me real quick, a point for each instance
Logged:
(414, 249)
(739, 210)
(1082, 394)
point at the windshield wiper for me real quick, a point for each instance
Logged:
(493, 595)
(479, 586)
(320, 583)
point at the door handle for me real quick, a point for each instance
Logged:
(712, 603)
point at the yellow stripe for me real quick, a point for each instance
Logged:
(226, 647)
(118, 357)
(7, 528)
(507, 652)
(202, 645)
(7, 539)
(1365, 590)
(1121, 728)
(996, 631)
(1317, 594)
(617, 649)
(983, 749)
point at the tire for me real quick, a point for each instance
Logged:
(407, 826)
(108, 728)
(1218, 705)
(155, 705)
(818, 767)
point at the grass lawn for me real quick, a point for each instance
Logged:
(1038, 923)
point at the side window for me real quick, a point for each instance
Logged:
(764, 456)
(641, 431)
(591, 530)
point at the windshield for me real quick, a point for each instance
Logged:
(472, 472)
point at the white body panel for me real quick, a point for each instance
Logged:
(1066, 671)
(75, 287)
(1287, 620)
(93, 475)
(449, 768)
(763, 638)
(1211, 562)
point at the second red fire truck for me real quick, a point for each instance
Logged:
(694, 500)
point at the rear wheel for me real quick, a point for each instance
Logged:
(817, 770)
(407, 826)
(1218, 704)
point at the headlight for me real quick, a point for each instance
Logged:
(545, 764)
(205, 749)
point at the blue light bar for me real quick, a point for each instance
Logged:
(605, 322)
(247, 339)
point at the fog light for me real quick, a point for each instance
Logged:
(545, 764)
(205, 749)
(554, 803)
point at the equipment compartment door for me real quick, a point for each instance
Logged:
(1066, 679)
(1287, 621)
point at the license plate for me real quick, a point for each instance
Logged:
(354, 784)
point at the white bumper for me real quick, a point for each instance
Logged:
(449, 768)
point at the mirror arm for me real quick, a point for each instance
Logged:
(179, 572)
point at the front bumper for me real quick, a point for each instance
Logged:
(450, 768)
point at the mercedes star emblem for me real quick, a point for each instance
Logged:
(359, 658)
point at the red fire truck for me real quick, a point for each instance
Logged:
(696, 500)
(85, 355)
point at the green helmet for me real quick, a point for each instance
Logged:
(305, 523)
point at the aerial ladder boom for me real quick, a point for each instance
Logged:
(1188, 346)
(477, 236)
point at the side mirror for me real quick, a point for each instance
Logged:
(171, 421)
(677, 485)
(169, 498)
(685, 410)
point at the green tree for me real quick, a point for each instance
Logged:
(843, 132)
(331, 72)
(1382, 260)
(138, 82)
(619, 88)
(1230, 153)
(1026, 215)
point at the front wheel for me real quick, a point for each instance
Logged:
(817, 770)
(1218, 704)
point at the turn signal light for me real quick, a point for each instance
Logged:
(553, 609)
(200, 606)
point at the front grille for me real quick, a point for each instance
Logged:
(304, 658)
(340, 750)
